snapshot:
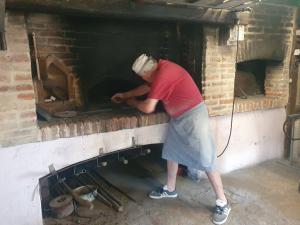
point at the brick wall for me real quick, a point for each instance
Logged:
(297, 46)
(268, 36)
(92, 47)
(218, 73)
(17, 104)
(58, 37)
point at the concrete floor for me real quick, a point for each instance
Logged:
(266, 194)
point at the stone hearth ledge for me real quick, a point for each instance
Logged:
(98, 123)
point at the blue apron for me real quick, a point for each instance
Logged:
(189, 140)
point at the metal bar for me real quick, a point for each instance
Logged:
(294, 116)
(116, 203)
(98, 196)
(36, 55)
(113, 186)
(92, 178)
(58, 189)
(2, 16)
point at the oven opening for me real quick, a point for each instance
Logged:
(253, 77)
(82, 62)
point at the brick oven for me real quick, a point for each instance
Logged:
(61, 62)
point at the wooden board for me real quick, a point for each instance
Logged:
(137, 9)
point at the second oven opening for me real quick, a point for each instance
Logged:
(250, 79)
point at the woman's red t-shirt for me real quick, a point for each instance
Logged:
(174, 86)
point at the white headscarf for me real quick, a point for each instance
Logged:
(143, 64)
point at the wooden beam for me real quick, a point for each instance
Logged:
(37, 5)
(127, 9)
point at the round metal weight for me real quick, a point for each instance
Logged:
(62, 206)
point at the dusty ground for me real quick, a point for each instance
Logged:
(266, 194)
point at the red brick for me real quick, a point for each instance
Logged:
(26, 96)
(51, 33)
(19, 41)
(226, 101)
(17, 58)
(31, 114)
(4, 78)
(4, 58)
(4, 67)
(53, 49)
(21, 67)
(211, 77)
(25, 87)
(4, 88)
(56, 41)
(7, 116)
(22, 77)
(39, 26)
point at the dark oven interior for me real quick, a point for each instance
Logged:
(99, 53)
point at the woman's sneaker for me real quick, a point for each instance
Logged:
(221, 212)
(162, 192)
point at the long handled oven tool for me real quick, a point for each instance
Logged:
(38, 83)
(98, 195)
(102, 188)
(116, 204)
(58, 189)
(113, 186)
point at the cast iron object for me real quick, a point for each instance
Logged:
(98, 195)
(76, 197)
(116, 204)
(62, 206)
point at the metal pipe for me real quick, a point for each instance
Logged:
(98, 195)
(113, 186)
(116, 203)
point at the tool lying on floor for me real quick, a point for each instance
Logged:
(113, 186)
(116, 204)
(76, 197)
(98, 195)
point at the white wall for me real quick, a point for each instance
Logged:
(256, 137)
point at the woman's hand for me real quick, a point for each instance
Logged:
(118, 98)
